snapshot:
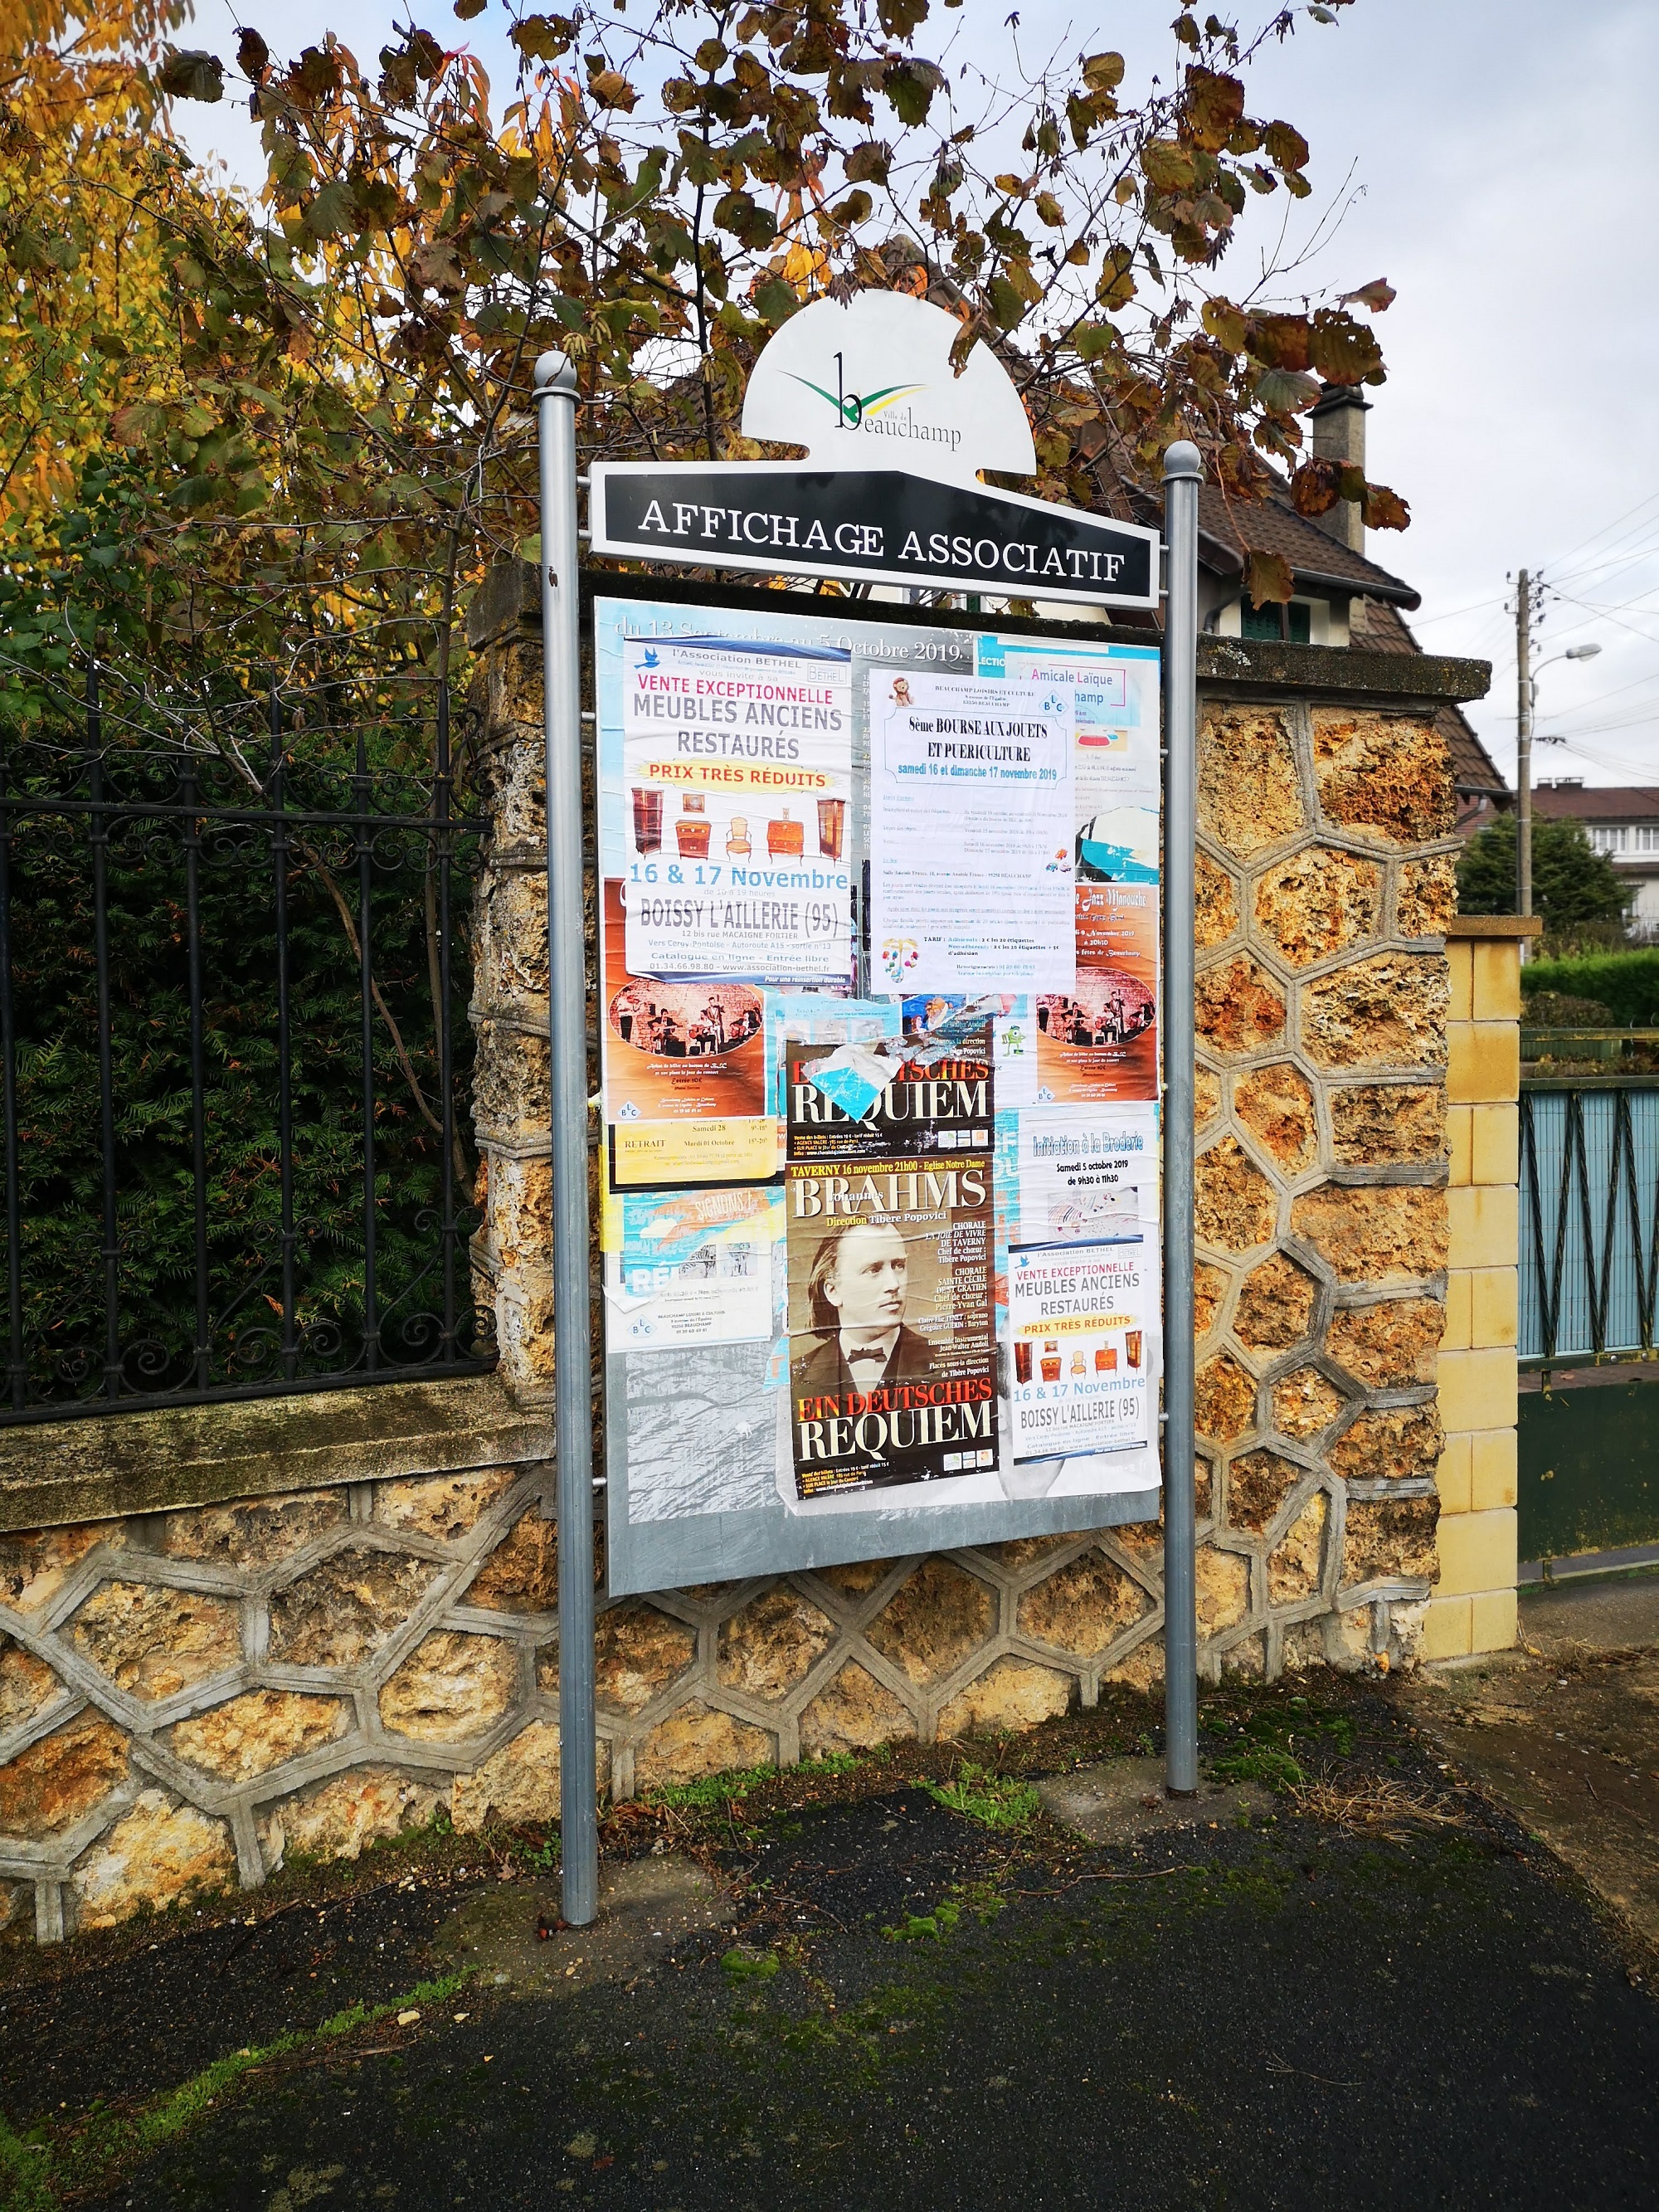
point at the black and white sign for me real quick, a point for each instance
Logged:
(884, 525)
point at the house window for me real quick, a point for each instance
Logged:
(1293, 622)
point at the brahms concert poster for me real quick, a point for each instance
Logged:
(892, 1348)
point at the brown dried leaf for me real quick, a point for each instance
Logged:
(1384, 509)
(1214, 105)
(1279, 341)
(1314, 488)
(611, 89)
(1267, 578)
(1377, 296)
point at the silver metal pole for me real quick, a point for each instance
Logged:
(1183, 472)
(556, 390)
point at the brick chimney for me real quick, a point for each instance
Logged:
(1339, 435)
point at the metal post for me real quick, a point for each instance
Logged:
(1183, 472)
(1523, 748)
(556, 390)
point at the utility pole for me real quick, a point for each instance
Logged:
(1524, 746)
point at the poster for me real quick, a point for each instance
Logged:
(737, 759)
(892, 1352)
(1096, 1037)
(1116, 765)
(1096, 1041)
(1079, 1320)
(971, 813)
(688, 1269)
(889, 1196)
(685, 1069)
(846, 1104)
(1082, 1178)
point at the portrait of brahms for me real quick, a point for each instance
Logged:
(856, 1290)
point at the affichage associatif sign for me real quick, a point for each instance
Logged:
(885, 525)
(889, 491)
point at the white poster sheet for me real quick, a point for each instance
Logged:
(737, 763)
(971, 835)
(1086, 1174)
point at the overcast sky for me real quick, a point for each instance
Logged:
(1494, 160)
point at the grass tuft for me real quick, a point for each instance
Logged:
(25, 2174)
(1262, 1762)
(996, 1801)
(750, 1966)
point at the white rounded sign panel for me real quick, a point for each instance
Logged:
(869, 384)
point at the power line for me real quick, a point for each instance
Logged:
(1600, 698)
(1605, 573)
(1617, 607)
(1474, 607)
(1600, 614)
(1625, 768)
(1613, 525)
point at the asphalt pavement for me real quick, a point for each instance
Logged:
(1367, 1986)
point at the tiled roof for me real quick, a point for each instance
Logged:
(1237, 526)
(1606, 802)
(1229, 528)
(1375, 627)
(1375, 620)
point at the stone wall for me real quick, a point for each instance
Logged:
(188, 1698)
(301, 1646)
(1326, 886)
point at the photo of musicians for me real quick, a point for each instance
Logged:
(686, 1021)
(1109, 1008)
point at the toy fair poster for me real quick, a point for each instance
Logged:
(877, 1019)
(971, 823)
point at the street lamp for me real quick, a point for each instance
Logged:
(1529, 700)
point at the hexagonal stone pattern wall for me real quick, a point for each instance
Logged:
(1325, 889)
(187, 1697)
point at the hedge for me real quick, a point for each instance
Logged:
(1627, 983)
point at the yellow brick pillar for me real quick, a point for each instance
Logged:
(1474, 1608)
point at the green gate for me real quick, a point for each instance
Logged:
(1588, 1269)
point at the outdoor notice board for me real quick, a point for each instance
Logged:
(879, 1015)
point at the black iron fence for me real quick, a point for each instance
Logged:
(1589, 1217)
(233, 1050)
